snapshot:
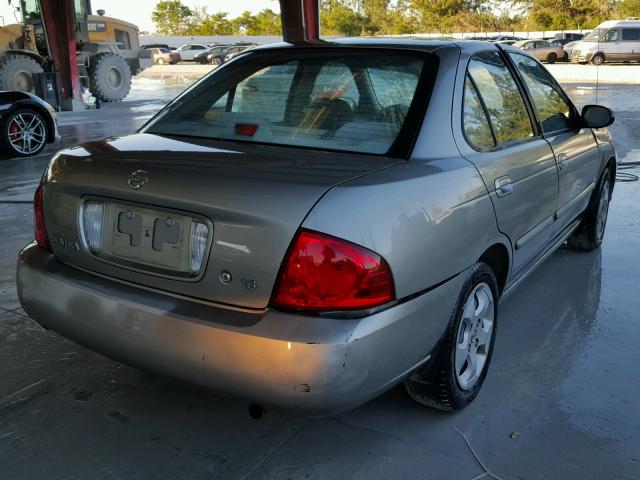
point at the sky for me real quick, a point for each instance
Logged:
(139, 11)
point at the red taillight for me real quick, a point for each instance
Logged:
(323, 273)
(42, 239)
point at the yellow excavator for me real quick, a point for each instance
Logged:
(107, 51)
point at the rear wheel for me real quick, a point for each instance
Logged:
(110, 77)
(597, 59)
(160, 61)
(552, 57)
(24, 133)
(459, 365)
(590, 233)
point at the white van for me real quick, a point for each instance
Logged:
(611, 41)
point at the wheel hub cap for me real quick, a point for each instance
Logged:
(473, 340)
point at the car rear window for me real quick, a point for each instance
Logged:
(352, 101)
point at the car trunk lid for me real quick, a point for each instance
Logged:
(252, 197)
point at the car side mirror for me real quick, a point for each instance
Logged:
(596, 116)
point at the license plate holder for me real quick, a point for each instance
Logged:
(147, 237)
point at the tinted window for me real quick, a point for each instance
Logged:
(318, 100)
(266, 92)
(336, 80)
(475, 122)
(631, 34)
(498, 89)
(552, 110)
(392, 87)
(198, 47)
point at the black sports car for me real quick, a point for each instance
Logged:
(27, 124)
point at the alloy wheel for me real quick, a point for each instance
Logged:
(474, 336)
(603, 210)
(27, 133)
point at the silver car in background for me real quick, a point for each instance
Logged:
(308, 226)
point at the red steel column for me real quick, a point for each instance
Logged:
(300, 20)
(59, 21)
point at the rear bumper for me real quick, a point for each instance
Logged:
(313, 365)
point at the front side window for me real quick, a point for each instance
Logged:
(553, 111)
(317, 100)
(612, 36)
(475, 121)
(631, 34)
(596, 35)
(501, 96)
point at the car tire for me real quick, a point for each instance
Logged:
(597, 59)
(590, 233)
(551, 58)
(13, 130)
(216, 61)
(160, 61)
(444, 382)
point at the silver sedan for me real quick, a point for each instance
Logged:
(310, 225)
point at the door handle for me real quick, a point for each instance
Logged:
(563, 162)
(503, 186)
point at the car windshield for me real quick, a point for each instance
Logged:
(348, 101)
(597, 34)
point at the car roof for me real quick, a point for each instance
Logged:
(408, 43)
(619, 23)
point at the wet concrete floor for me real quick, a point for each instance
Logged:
(560, 401)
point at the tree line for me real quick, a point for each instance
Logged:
(389, 17)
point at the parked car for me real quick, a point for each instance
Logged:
(189, 51)
(568, 48)
(218, 58)
(309, 226)
(561, 42)
(28, 123)
(164, 55)
(502, 38)
(570, 37)
(611, 41)
(204, 56)
(542, 50)
(506, 42)
(155, 45)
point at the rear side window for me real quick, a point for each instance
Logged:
(475, 121)
(499, 92)
(323, 100)
(632, 34)
(552, 109)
